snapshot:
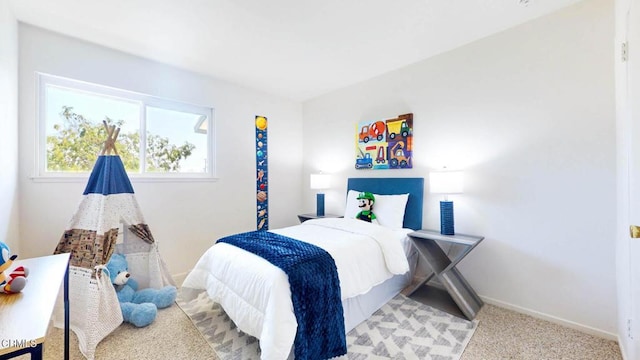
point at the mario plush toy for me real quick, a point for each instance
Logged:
(365, 203)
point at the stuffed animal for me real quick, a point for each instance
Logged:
(139, 307)
(17, 278)
(365, 203)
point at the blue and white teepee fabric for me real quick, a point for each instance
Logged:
(91, 236)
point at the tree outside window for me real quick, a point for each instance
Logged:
(175, 141)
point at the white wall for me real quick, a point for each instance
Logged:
(528, 114)
(186, 217)
(9, 209)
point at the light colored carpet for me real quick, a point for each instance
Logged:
(171, 336)
(504, 334)
(401, 329)
(501, 334)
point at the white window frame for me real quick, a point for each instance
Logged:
(145, 100)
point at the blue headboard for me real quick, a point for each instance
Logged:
(392, 186)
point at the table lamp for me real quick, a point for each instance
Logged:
(446, 182)
(319, 182)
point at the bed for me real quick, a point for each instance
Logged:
(371, 268)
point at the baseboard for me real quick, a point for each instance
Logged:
(179, 278)
(623, 350)
(556, 320)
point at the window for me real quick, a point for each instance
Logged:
(158, 138)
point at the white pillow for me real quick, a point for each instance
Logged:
(389, 209)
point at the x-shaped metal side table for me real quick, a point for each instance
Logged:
(444, 268)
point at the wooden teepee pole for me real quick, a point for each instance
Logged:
(110, 143)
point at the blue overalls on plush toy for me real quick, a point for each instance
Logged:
(139, 307)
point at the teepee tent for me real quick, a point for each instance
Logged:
(92, 236)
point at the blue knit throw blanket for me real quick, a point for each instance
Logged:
(315, 290)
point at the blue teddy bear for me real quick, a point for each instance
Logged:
(139, 307)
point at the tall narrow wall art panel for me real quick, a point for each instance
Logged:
(385, 144)
(262, 175)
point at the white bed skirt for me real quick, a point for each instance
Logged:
(359, 308)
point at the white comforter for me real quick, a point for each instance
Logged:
(256, 295)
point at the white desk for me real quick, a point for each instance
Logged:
(25, 316)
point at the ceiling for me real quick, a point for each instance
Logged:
(297, 49)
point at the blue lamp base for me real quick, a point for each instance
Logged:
(446, 218)
(319, 204)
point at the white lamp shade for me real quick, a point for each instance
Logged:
(320, 181)
(446, 182)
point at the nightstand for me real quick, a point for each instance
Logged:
(442, 267)
(305, 217)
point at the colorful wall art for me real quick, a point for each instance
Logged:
(262, 174)
(385, 144)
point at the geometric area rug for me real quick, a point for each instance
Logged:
(401, 329)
